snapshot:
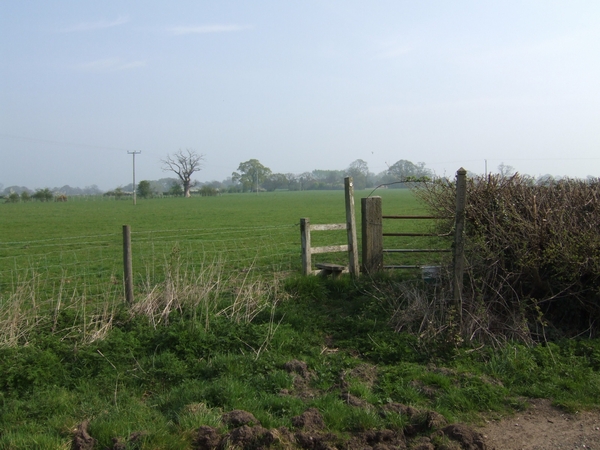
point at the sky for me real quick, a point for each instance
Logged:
(298, 85)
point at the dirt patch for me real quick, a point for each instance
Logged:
(309, 432)
(310, 420)
(544, 427)
(301, 380)
(237, 418)
(81, 439)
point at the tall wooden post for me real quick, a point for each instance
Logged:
(372, 234)
(305, 239)
(127, 265)
(459, 243)
(351, 227)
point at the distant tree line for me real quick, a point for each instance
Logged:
(250, 176)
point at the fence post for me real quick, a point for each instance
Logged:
(305, 239)
(127, 265)
(459, 243)
(372, 234)
(351, 227)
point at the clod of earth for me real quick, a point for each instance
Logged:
(81, 439)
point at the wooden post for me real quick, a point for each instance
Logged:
(372, 234)
(459, 243)
(351, 227)
(127, 265)
(305, 239)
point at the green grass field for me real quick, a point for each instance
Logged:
(205, 336)
(81, 239)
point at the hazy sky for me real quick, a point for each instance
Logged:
(299, 85)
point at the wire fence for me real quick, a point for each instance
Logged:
(93, 263)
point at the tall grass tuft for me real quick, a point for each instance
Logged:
(186, 287)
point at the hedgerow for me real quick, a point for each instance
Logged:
(533, 254)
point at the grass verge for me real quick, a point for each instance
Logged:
(194, 349)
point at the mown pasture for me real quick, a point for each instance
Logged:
(80, 241)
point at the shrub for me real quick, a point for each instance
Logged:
(533, 252)
(13, 198)
(207, 191)
(144, 189)
(43, 195)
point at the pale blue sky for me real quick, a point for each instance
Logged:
(299, 85)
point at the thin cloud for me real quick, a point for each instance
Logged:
(204, 29)
(109, 65)
(100, 25)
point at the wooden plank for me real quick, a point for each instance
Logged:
(351, 227)
(127, 265)
(459, 243)
(335, 270)
(328, 226)
(372, 234)
(331, 266)
(306, 250)
(330, 249)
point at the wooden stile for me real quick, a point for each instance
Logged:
(350, 247)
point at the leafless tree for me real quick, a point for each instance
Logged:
(184, 164)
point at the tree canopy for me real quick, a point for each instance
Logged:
(251, 174)
(184, 164)
(144, 189)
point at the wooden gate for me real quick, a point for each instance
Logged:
(373, 233)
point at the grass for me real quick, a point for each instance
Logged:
(75, 248)
(205, 337)
(166, 379)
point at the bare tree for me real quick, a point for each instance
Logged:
(184, 164)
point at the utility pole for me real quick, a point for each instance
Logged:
(134, 153)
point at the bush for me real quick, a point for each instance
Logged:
(43, 195)
(533, 252)
(144, 189)
(207, 191)
(13, 198)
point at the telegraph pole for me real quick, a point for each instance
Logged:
(134, 153)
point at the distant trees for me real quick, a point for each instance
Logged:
(176, 190)
(276, 181)
(184, 165)
(359, 171)
(403, 170)
(250, 175)
(43, 195)
(144, 189)
(13, 197)
(505, 170)
(117, 193)
(329, 179)
(208, 191)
